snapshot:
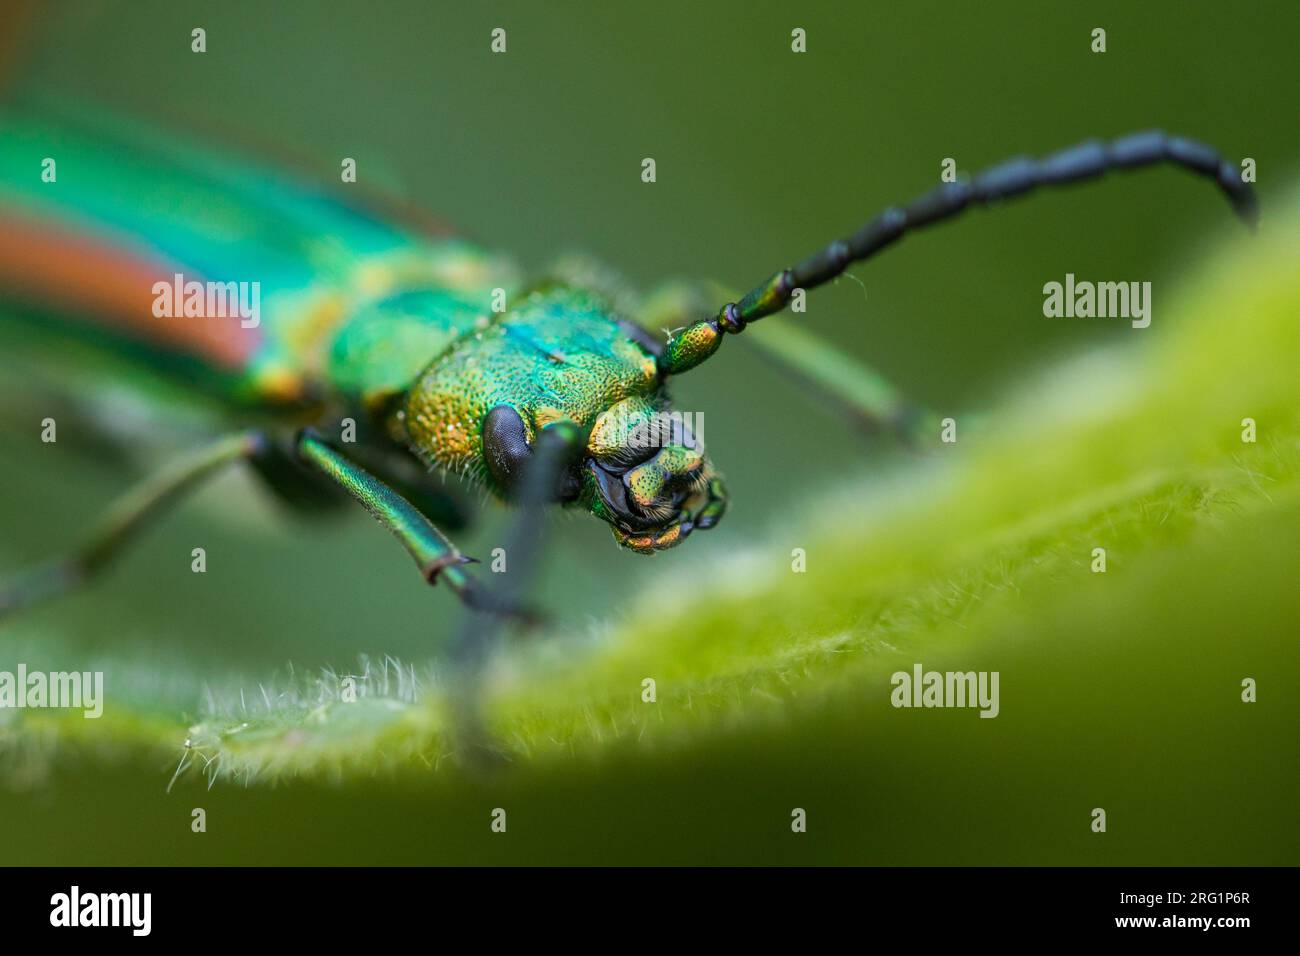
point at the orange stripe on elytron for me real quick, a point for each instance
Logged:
(96, 281)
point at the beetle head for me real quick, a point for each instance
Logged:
(644, 471)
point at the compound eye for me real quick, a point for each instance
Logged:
(505, 445)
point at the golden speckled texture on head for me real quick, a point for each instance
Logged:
(558, 354)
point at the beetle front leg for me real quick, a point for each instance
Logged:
(552, 453)
(435, 556)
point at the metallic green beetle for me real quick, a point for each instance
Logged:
(365, 313)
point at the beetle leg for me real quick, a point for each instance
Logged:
(436, 557)
(124, 519)
(555, 449)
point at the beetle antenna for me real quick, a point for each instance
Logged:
(1012, 178)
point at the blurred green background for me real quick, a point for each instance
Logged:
(762, 156)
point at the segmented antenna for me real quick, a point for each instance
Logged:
(1004, 181)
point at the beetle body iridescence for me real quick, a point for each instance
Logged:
(360, 316)
(451, 360)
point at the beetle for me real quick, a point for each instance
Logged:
(371, 316)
